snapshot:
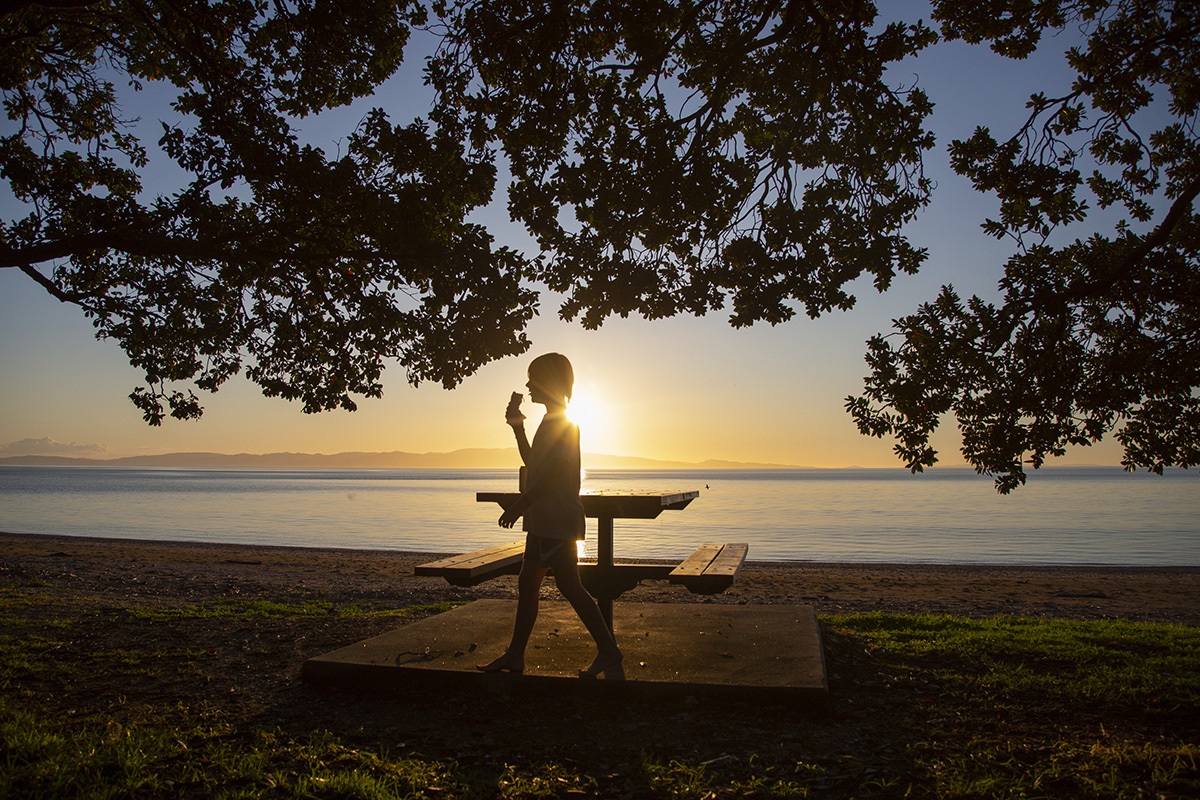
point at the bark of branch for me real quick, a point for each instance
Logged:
(72, 245)
(50, 286)
(15, 6)
(27, 258)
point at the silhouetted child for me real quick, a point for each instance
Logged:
(553, 515)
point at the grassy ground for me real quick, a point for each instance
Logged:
(107, 696)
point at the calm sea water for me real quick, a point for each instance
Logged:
(1063, 516)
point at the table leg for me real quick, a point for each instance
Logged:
(604, 564)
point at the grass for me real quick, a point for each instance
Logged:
(125, 700)
(1107, 666)
(196, 752)
(1046, 708)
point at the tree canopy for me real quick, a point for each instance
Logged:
(705, 149)
(1096, 333)
(306, 271)
(673, 157)
(667, 157)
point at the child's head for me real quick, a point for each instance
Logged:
(552, 374)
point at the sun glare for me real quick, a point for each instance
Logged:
(588, 412)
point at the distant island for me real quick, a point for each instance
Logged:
(471, 458)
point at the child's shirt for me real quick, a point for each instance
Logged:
(555, 510)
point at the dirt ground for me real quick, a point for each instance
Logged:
(186, 572)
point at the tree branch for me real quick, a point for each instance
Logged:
(50, 251)
(1157, 238)
(26, 259)
(15, 6)
(1014, 310)
(50, 286)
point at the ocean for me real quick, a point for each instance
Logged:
(1063, 516)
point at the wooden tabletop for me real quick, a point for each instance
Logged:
(612, 503)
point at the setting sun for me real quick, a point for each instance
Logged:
(588, 410)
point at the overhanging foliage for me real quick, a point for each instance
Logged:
(667, 157)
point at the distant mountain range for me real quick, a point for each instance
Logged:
(472, 458)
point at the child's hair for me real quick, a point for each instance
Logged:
(553, 372)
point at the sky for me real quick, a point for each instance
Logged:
(684, 389)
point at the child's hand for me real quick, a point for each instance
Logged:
(510, 516)
(512, 414)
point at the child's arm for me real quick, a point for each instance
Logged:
(552, 476)
(514, 417)
(522, 442)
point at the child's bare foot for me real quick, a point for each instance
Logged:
(505, 663)
(603, 663)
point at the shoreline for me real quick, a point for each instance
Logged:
(421, 556)
(173, 571)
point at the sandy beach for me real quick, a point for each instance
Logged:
(170, 572)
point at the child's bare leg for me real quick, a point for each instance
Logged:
(528, 584)
(608, 654)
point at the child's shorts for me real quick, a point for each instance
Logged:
(545, 552)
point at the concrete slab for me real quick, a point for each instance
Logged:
(751, 652)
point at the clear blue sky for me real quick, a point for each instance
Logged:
(683, 389)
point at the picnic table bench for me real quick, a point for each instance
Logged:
(471, 569)
(710, 569)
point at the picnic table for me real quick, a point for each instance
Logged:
(710, 569)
